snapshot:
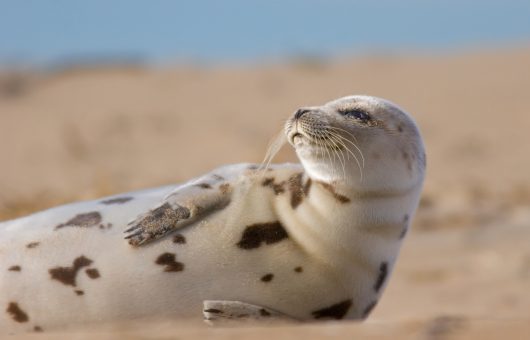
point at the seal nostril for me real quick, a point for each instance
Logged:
(300, 112)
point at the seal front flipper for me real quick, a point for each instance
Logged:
(218, 311)
(185, 205)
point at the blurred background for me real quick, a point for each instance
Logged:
(100, 97)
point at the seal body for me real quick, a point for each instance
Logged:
(302, 240)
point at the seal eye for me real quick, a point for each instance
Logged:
(357, 114)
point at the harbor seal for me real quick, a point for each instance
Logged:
(310, 241)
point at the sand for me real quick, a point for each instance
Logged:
(464, 271)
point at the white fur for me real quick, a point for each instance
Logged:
(340, 246)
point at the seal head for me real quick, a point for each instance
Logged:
(362, 142)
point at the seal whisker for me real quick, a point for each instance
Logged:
(345, 147)
(335, 151)
(354, 156)
(320, 142)
(349, 141)
(274, 147)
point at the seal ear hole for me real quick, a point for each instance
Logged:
(357, 114)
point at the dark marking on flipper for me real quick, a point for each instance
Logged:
(38, 329)
(14, 268)
(169, 261)
(255, 234)
(213, 310)
(298, 269)
(336, 311)
(85, 220)
(117, 200)
(68, 275)
(156, 223)
(17, 314)
(79, 292)
(381, 277)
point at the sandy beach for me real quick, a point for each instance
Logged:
(464, 271)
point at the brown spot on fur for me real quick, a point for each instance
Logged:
(383, 273)
(405, 226)
(203, 185)
(179, 239)
(263, 312)
(218, 177)
(117, 200)
(400, 128)
(278, 188)
(67, 275)
(267, 277)
(257, 233)
(108, 226)
(331, 189)
(16, 313)
(214, 311)
(295, 186)
(79, 292)
(307, 186)
(299, 269)
(368, 309)
(32, 245)
(15, 268)
(38, 329)
(168, 260)
(337, 311)
(92, 273)
(86, 220)
(403, 232)
(224, 188)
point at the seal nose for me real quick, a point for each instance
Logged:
(300, 112)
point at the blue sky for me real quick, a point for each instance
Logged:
(39, 31)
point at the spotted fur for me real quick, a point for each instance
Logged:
(85, 220)
(265, 236)
(337, 196)
(68, 275)
(267, 277)
(381, 277)
(168, 260)
(117, 200)
(336, 311)
(32, 245)
(17, 314)
(256, 234)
